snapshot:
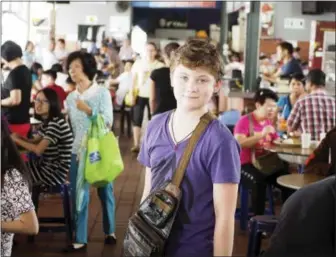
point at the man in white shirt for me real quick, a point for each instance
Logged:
(126, 52)
(48, 56)
(60, 52)
(124, 80)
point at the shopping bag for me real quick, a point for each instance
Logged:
(103, 161)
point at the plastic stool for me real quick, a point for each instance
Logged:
(244, 213)
(64, 190)
(257, 226)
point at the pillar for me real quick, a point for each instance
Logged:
(252, 47)
(223, 26)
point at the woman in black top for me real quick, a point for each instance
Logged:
(15, 93)
(161, 97)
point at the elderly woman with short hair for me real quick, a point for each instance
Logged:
(83, 105)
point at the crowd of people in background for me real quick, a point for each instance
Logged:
(67, 90)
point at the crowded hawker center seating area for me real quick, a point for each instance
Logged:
(138, 128)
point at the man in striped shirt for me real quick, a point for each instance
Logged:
(314, 113)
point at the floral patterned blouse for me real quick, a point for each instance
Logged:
(100, 101)
(15, 200)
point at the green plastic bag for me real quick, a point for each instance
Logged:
(103, 159)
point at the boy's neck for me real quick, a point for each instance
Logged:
(186, 115)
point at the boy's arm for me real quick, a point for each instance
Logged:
(224, 167)
(147, 184)
(225, 200)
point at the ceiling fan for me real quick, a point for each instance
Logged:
(122, 6)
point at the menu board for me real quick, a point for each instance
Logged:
(174, 4)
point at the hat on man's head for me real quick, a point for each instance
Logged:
(10, 51)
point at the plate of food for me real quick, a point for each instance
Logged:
(288, 142)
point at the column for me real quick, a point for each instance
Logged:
(252, 47)
(223, 26)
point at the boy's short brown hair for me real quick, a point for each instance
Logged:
(199, 53)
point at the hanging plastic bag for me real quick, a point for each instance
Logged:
(103, 160)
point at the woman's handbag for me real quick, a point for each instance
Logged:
(149, 228)
(131, 97)
(267, 163)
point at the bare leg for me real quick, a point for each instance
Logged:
(136, 138)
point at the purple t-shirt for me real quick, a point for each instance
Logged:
(214, 160)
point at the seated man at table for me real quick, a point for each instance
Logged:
(290, 64)
(323, 160)
(316, 112)
(307, 223)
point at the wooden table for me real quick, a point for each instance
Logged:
(295, 155)
(297, 151)
(297, 181)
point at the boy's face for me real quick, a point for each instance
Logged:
(47, 80)
(193, 88)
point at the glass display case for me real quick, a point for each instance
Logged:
(322, 44)
(329, 56)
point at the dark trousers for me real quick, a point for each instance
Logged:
(252, 178)
(139, 109)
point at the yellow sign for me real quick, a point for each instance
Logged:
(91, 19)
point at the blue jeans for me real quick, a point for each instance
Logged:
(81, 219)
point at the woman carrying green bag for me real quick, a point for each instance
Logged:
(83, 105)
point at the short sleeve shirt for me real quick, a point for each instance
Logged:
(164, 95)
(19, 78)
(215, 159)
(53, 166)
(15, 200)
(285, 106)
(142, 70)
(243, 127)
(291, 67)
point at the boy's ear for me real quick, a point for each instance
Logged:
(218, 86)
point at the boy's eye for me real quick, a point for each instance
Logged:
(202, 81)
(184, 78)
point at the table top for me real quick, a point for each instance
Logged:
(297, 151)
(297, 181)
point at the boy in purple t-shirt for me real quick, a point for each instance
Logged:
(204, 225)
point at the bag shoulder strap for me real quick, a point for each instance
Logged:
(251, 132)
(196, 135)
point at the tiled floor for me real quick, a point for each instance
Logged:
(128, 190)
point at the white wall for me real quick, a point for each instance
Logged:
(293, 10)
(69, 16)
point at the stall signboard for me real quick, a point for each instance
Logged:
(175, 4)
